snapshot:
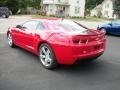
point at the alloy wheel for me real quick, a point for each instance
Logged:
(10, 42)
(45, 56)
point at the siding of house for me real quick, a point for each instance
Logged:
(77, 8)
(73, 8)
(107, 9)
(96, 10)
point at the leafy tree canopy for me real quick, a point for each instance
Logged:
(15, 5)
(116, 6)
(90, 4)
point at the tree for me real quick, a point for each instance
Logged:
(116, 6)
(11, 4)
(2, 2)
(90, 4)
(35, 4)
(15, 5)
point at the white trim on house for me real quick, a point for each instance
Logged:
(106, 9)
(73, 8)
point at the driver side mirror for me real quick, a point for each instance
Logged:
(110, 24)
(19, 26)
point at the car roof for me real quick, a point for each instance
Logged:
(47, 19)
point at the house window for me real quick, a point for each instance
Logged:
(77, 1)
(59, 1)
(107, 5)
(106, 13)
(77, 10)
(51, 10)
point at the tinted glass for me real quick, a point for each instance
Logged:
(40, 26)
(30, 25)
(116, 22)
(71, 26)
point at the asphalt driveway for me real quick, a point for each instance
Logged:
(21, 70)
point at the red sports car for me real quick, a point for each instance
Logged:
(57, 41)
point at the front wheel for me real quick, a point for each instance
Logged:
(10, 40)
(47, 56)
(5, 16)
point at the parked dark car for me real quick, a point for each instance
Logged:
(111, 27)
(4, 12)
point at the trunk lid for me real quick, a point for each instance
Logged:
(86, 36)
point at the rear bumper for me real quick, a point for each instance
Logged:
(70, 54)
(88, 55)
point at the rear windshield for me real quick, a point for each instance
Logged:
(65, 25)
(71, 26)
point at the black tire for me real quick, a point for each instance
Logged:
(50, 63)
(5, 16)
(10, 40)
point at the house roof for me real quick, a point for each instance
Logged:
(99, 7)
(108, 0)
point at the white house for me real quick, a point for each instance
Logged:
(96, 10)
(106, 9)
(72, 8)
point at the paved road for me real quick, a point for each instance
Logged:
(21, 70)
(12, 21)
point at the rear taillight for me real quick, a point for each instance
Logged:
(84, 41)
(78, 40)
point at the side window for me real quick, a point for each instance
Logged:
(116, 22)
(40, 26)
(30, 25)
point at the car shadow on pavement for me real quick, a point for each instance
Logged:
(111, 35)
(80, 67)
(83, 66)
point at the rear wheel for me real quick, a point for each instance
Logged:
(47, 56)
(10, 40)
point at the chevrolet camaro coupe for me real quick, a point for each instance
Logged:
(57, 41)
(111, 28)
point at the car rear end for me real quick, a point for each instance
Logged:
(80, 47)
(88, 46)
(72, 42)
